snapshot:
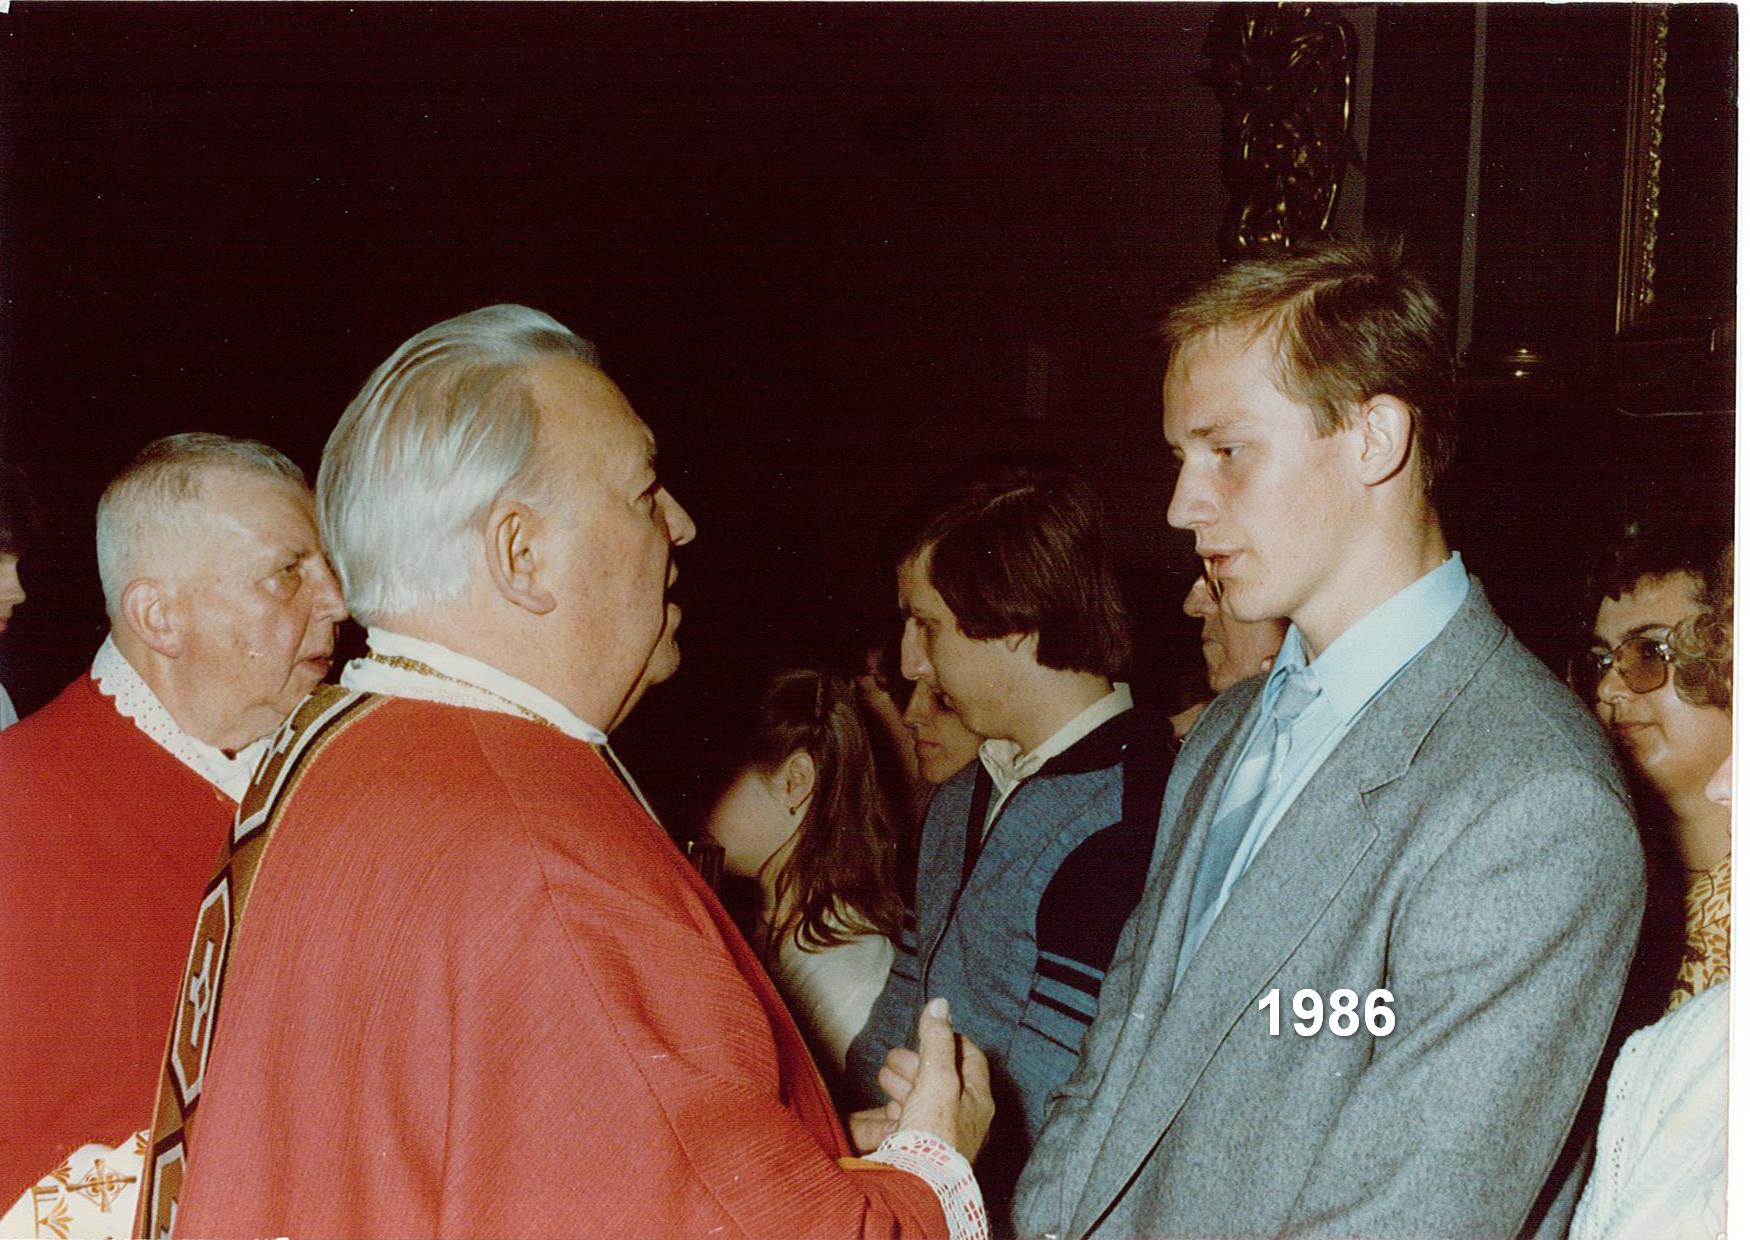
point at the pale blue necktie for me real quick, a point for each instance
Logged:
(1255, 776)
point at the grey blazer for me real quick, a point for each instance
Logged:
(1469, 847)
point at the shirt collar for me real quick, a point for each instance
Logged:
(1353, 670)
(409, 667)
(1008, 766)
(117, 679)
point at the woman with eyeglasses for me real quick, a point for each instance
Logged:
(1672, 743)
(1660, 1167)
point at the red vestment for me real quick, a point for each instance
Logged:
(106, 843)
(477, 991)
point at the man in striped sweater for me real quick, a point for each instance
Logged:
(1033, 856)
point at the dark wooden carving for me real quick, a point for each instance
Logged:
(1285, 76)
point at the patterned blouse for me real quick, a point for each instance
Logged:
(1707, 908)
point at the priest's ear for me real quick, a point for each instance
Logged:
(148, 610)
(515, 560)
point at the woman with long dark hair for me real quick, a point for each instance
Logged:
(806, 816)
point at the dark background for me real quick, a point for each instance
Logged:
(823, 249)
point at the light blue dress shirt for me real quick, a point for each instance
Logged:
(1355, 669)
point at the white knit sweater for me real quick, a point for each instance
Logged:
(1661, 1166)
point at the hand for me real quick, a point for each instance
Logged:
(949, 1095)
(870, 1128)
(899, 1072)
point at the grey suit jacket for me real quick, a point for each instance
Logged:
(1468, 846)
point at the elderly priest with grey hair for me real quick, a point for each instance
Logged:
(477, 990)
(118, 795)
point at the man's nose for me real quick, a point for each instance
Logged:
(912, 663)
(1190, 506)
(330, 603)
(680, 525)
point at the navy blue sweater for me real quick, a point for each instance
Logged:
(1018, 933)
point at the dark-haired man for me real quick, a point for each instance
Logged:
(1032, 856)
(1398, 880)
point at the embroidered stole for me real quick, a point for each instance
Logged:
(322, 716)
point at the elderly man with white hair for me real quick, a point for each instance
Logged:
(119, 792)
(475, 989)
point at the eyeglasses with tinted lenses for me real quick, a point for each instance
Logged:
(1643, 662)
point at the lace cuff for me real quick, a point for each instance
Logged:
(949, 1176)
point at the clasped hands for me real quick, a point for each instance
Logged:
(942, 1088)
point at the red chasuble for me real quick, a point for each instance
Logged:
(477, 991)
(106, 842)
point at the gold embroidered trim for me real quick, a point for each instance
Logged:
(405, 664)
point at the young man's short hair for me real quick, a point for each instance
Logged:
(1351, 321)
(1021, 547)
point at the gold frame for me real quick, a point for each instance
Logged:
(1638, 249)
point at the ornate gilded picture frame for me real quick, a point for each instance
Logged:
(1677, 251)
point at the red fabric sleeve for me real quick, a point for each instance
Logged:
(686, 1087)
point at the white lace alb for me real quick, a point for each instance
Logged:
(116, 679)
(410, 667)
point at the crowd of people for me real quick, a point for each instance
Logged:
(1339, 948)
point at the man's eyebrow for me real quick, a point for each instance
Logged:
(1212, 429)
(1209, 430)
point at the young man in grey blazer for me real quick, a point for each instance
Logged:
(1397, 881)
